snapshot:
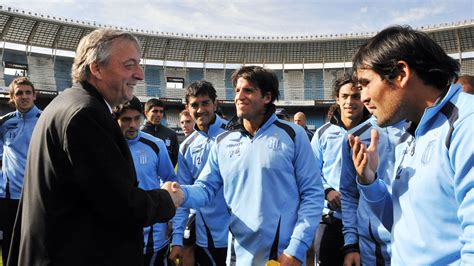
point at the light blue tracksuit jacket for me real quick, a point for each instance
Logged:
(363, 231)
(433, 189)
(212, 221)
(273, 191)
(16, 129)
(153, 167)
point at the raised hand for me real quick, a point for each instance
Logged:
(175, 192)
(365, 159)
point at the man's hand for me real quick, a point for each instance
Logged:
(176, 255)
(352, 259)
(365, 159)
(288, 260)
(175, 192)
(334, 199)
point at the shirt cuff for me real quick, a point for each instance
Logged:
(373, 192)
(177, 239)
(185, 197)
(297, 249)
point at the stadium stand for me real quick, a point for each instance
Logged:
(153, 77)
(293, 84)
(467, 66)
(41, 72)
(216, 77)
(13, 58)
(172, 118)
(229, 88)
(308, 64)
(2, 70)
(62, 72)
(141, 88)
(313, 85)
(195, 74)
(170, 92)
(281, 84)
(315, 120)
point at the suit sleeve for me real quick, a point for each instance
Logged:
(103, 172)
(174, 149)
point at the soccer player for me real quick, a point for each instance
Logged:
(327, 146)
(154, 112)
(212, 220)
(153, 167)
(16, 129)
(404, 74)
(186, 122)
(266, 169)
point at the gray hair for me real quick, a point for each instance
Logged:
(95, 47)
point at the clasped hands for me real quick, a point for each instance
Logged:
(174, 189)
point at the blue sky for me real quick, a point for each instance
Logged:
(256, 17)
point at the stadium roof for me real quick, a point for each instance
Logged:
(27, 28)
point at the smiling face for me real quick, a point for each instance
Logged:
(383, 100)
(23, 97)
(202, 110)
(117, 77)
(349, 101)
(249, 101)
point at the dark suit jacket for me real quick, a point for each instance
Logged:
(80, 203)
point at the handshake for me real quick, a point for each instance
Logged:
(175, 192)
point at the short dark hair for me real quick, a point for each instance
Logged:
(346, 78)
(202, 88)
(18, 81)
(133, 104)
(260, 77)
(282, 113)
(430, 62)
(152, 103)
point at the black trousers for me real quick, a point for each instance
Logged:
(332, 242)
(210, 256)
(8, 209)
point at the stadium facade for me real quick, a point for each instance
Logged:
(305, 65)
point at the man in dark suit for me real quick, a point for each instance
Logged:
(80, 203)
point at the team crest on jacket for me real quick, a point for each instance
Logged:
(428, 152)
(143, 158)
(274, 143)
